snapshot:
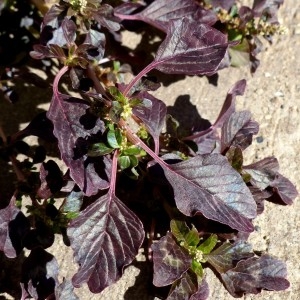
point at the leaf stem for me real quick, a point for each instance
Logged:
(146, 70)
(57, 78)
(114, 169)
(126, 17)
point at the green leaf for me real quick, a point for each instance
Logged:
(184, 234)
(209, 244)
(135, 102)
(132, 150)
(99, 149)
(114, 138)
(235, 158)
(118, 96)
(116, 66)
(133, 161)
(192, 237)
(124, 162)
(179, 230)
(197, 268)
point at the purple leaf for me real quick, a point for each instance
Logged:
(51, 179)
(262, 172)
(225, 4)
(209, 185)
(203, 291)
(259, 197)
(64, 35)
(13, 228)
(153, 115)
(105, 237)
(65, 291)
(69, 31)
(267, 8)
(228, 107)
(170, 261)
(238, 130)
(207, 143)
(190, 48)
(126, 8)
(93, 46)
(254, 274)
(40, 273)
(51, 18)
(105, 17)
(284, 188)
(225, 257)
(160, 12)
(188, 288)
(73, 126)
(208, 140)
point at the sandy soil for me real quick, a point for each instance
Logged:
(273, 97)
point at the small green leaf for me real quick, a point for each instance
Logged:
(209, 244)
(114, 138)
(133, 161)
(235, 158)
(72, 215)
(99, 149)
(192, 237)
(118, 96)
(179, 230)
(197, 268)
(132, 150)
(116, 65)
(124, 162)
(135, 102)
(184, 234)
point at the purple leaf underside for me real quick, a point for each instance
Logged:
(170, 261)
(190, 48)
(209, 185)
(254, 274)
(105, 237)
(72, 127)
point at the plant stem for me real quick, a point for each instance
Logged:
(57, 78)
(134, 139)
(126, 17)
(114, 168)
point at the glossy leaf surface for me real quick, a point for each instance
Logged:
(188, 288)
(170, 261)
(105, 237)
(224, 257)
(209, 185)
(254, 274)
(73, 126)
(190, 48)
